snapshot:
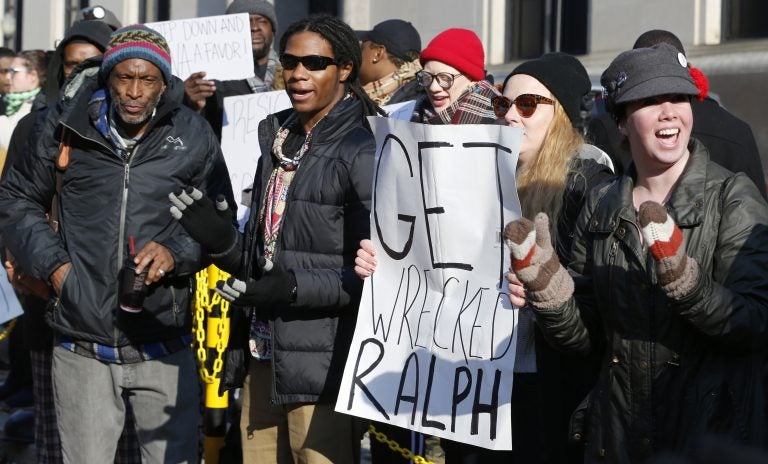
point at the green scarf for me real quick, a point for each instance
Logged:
(14, 100)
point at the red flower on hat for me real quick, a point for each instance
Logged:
(701, 81)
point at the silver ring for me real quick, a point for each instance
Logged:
(161, 272)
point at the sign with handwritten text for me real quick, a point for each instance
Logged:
(218, 45)
(240, 136)
(434, 346)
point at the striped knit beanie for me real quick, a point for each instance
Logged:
(136, 41)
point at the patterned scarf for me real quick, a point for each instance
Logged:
(382, 90)
(14, 100)
(472, 107)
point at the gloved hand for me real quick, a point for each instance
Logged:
(272, 289)
(676, 271)
(534, 262)
(212, 226)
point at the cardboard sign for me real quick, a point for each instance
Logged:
(218, 45)
(434, 346)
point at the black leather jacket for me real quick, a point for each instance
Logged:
(673, 371)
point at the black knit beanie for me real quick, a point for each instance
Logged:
(563, 75)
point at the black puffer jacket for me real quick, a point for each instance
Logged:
(673, 370)
(105, 200)
(326, 216)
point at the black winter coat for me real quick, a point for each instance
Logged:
(673, 370)
(103, 201)
(326, 216)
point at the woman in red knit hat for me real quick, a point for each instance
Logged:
(453, 77)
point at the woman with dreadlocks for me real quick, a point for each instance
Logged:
(294, 263)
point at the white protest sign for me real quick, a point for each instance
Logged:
(218, 45)
(434, 346)
(240, 136)
(9, 304)
(403, 111)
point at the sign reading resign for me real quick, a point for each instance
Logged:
(218, 45)
(434, 346)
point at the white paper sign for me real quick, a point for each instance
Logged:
(434, 346)
(218, 45)
(240, 136)
(9, 304)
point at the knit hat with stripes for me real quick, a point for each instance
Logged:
(136, 41)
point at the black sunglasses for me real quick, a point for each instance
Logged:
(310, 62)
(444, 79)
(525, 104)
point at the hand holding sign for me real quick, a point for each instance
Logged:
(535, 263)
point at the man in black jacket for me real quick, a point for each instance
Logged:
(729, 140)
(129, 140)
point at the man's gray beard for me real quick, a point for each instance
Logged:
(148, 111)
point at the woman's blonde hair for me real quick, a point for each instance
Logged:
(540, 187)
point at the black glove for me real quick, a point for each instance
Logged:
(212, 226)
(275, 288)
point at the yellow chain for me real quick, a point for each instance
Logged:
(381, 437)
(205, 300)
(9, 329)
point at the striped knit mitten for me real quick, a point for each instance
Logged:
(677, 272)
(548, 285)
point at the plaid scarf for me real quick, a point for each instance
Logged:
(382, 90)
(257, 84)
(472, 107)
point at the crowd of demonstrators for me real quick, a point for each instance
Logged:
(289, 347)
(390, 62)
(642, 302)
(668, 269)
(728, 139)
(207, 96)
(117, 124)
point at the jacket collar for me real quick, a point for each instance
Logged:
(685, 204)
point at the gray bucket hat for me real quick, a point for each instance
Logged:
(646, 72)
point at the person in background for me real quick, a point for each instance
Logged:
(730, 140)
(390, 62)
(112, 224)
(297, 290)
(453, 77)
(6, 57)
(668, 268)
(207, 96)
(27, 72)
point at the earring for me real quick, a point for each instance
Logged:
(376, 59)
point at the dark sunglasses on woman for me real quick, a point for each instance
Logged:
(310, 62)
(525, 104)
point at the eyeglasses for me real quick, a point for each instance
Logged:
(13, 71)
(525, 104)
(311, 62)
(444, 79)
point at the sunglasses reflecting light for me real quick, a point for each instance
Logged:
(525, 104)
(310, 62)
(444, 79)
